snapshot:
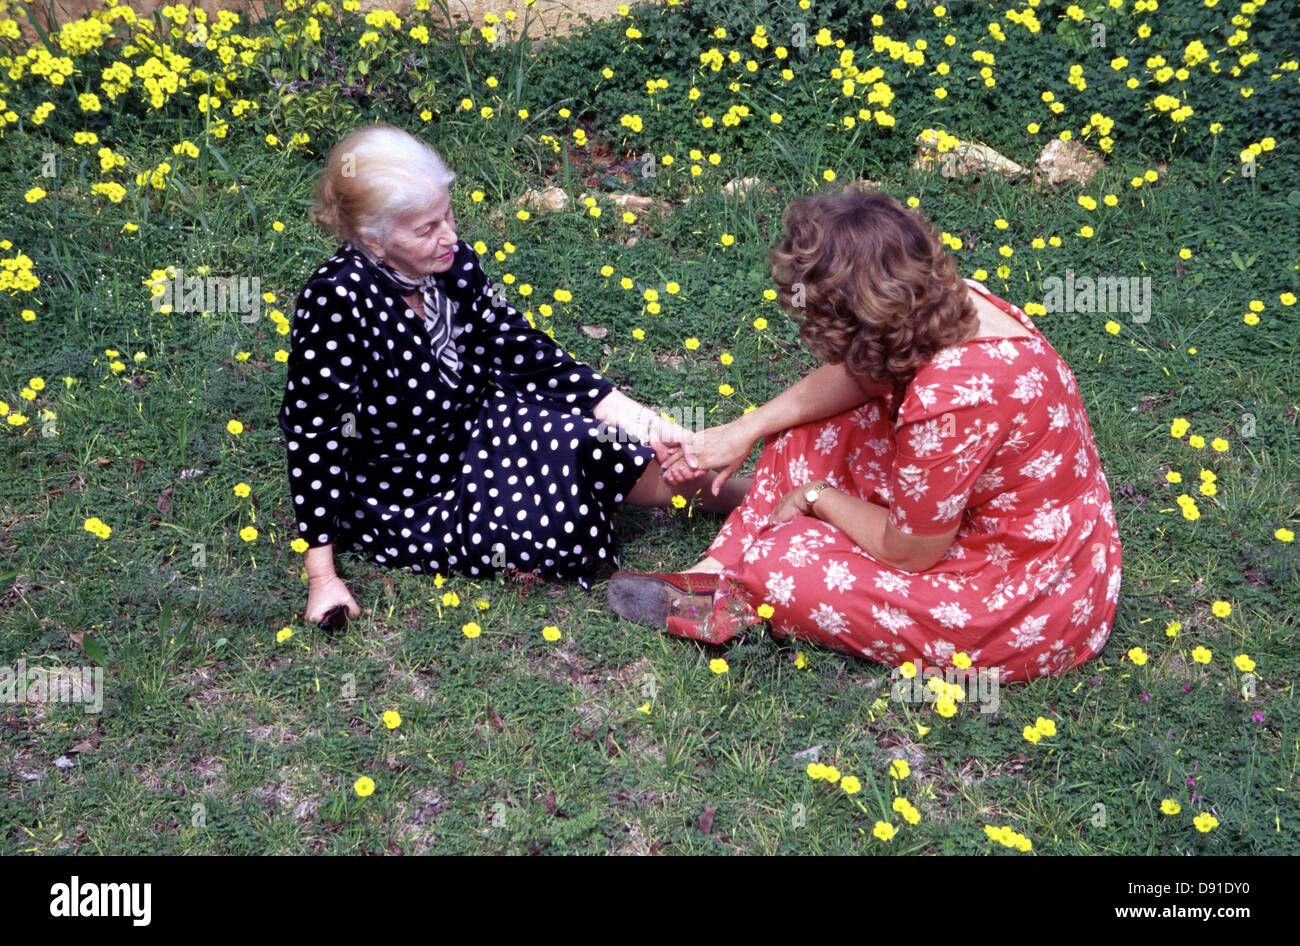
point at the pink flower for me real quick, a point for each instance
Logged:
(1144, 695)
(1257, 717)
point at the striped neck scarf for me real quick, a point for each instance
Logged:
(439, 308)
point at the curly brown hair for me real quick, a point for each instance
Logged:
(871, 285)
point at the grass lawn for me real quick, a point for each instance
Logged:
(144, 534)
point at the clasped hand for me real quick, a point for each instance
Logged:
(722, 448)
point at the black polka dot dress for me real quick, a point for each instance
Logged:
(509, 470)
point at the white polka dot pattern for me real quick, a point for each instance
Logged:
(506, 470)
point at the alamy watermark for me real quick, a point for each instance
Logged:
(1129, 295)
(240, 294)
(23, 684)
(980, 685)
(654, 427)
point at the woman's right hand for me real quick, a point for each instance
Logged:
(723, 448)
(325, 593)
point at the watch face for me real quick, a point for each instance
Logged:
(812, 494)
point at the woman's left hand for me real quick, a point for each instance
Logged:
(793, 503)
(669, 440)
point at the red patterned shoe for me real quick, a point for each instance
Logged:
(652, 598)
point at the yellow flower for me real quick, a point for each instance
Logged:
(1205, 822)
(248, 533)
(1032, 734)
(299, 545)
(364, 786)
(726, 358)
(1045, 726)
(33, 195)
(97, 526)
(1137, 655)
(718, 665)
(883, 830)
(760, 323)
(960, 659)
(1178, 427)
(800, 661)
(242, 489)
(551, 632)
(472, 630)
(692, 344)
(1170, 807)
(1221, 609)
(235, 427)
(1196, 441)
(1284, 535)
(945, 708)
(765, 611)
(1244, 663)
(1201, 655)
(899, 769)
(850, 784)
(1113, 327)
(679, 502)
(1219, 445)
(644, 708)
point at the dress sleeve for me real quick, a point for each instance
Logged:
(528, 362)
(318, 414)
(942, 449)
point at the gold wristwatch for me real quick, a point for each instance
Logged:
(814, 491)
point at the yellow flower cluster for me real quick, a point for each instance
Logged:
(381, 18)
(1042, 727)
(907, 810)
(817, 771)
(16, 272)
(156, 178)
(1250, 152)
(1008, 838)
(944, 140)
(95, 525)
(110, 189)
(39, 62)
(1177, 111)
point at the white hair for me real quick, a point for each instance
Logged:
(374, 175)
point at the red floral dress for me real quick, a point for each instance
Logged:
(992, 432)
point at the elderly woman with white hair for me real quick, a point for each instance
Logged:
(429, 425)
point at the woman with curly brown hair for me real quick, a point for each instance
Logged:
(933, 490)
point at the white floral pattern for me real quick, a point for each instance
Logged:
(990, 440)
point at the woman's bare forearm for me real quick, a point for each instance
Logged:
(828, 391)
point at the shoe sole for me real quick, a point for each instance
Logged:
(642, 600)
(645, 600)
